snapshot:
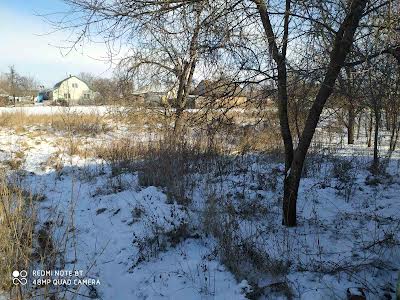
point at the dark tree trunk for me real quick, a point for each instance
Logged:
(369, 133)
(341, 47)
(359, 125)
(283, 116)
(395, 139)
(280, 60)
(375, 164)
(387, 119)
(350, 128)
(291, 188)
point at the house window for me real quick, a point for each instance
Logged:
(86, 96)
(67, 96)
(75, 85)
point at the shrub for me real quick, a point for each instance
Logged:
(170, 164)
(242, 255)
(344, 171)
(121, 155)
(159, 240)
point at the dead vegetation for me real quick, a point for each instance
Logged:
(17, 221)
(76, 123)
(206, 159)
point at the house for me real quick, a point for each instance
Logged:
(72, 90)
(149, 98)
(219, 93)
(21, 96)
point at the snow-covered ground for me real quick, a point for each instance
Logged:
(141, 245)
(97, 211)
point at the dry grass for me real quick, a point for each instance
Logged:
(16, 162)
(243, 255)
(76, 123)
(118, 151)
(151, 120)
(164, 163)
(17, 219)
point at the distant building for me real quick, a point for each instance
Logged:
(72, 90)
(149, 98)
(21, 96)
(218, 93)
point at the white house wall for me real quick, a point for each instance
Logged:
(75, 88)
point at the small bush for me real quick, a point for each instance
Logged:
(121, 155)
(159, 240)
(84, 124)
(242, 255)
(344, 171)
(169, 164)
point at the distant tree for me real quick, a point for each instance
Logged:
(108, 90)
(17, 85)
(165, 44)
(87, 77)
(349, 91)
(12, 80)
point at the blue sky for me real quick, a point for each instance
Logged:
(28, 7)
(26, 44)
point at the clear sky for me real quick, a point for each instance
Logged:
(25, 42)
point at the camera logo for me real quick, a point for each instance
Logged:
(19, 277)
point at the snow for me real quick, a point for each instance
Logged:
(104, 228)
(103, 242)
(117, 231)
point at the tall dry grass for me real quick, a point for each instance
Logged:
(76, 123)
(17, 221)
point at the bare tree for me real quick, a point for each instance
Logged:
(163, 41)
(350, 90)
(17, 85)
(341, 46)
(280, 26)
(12, 80)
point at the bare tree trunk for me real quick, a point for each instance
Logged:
(283, 115)
(375, 164)
(341, 47)
(369, 134)
(185, 79)
(359, 125)
(395, 139)
(350, 128)
(387, 119)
